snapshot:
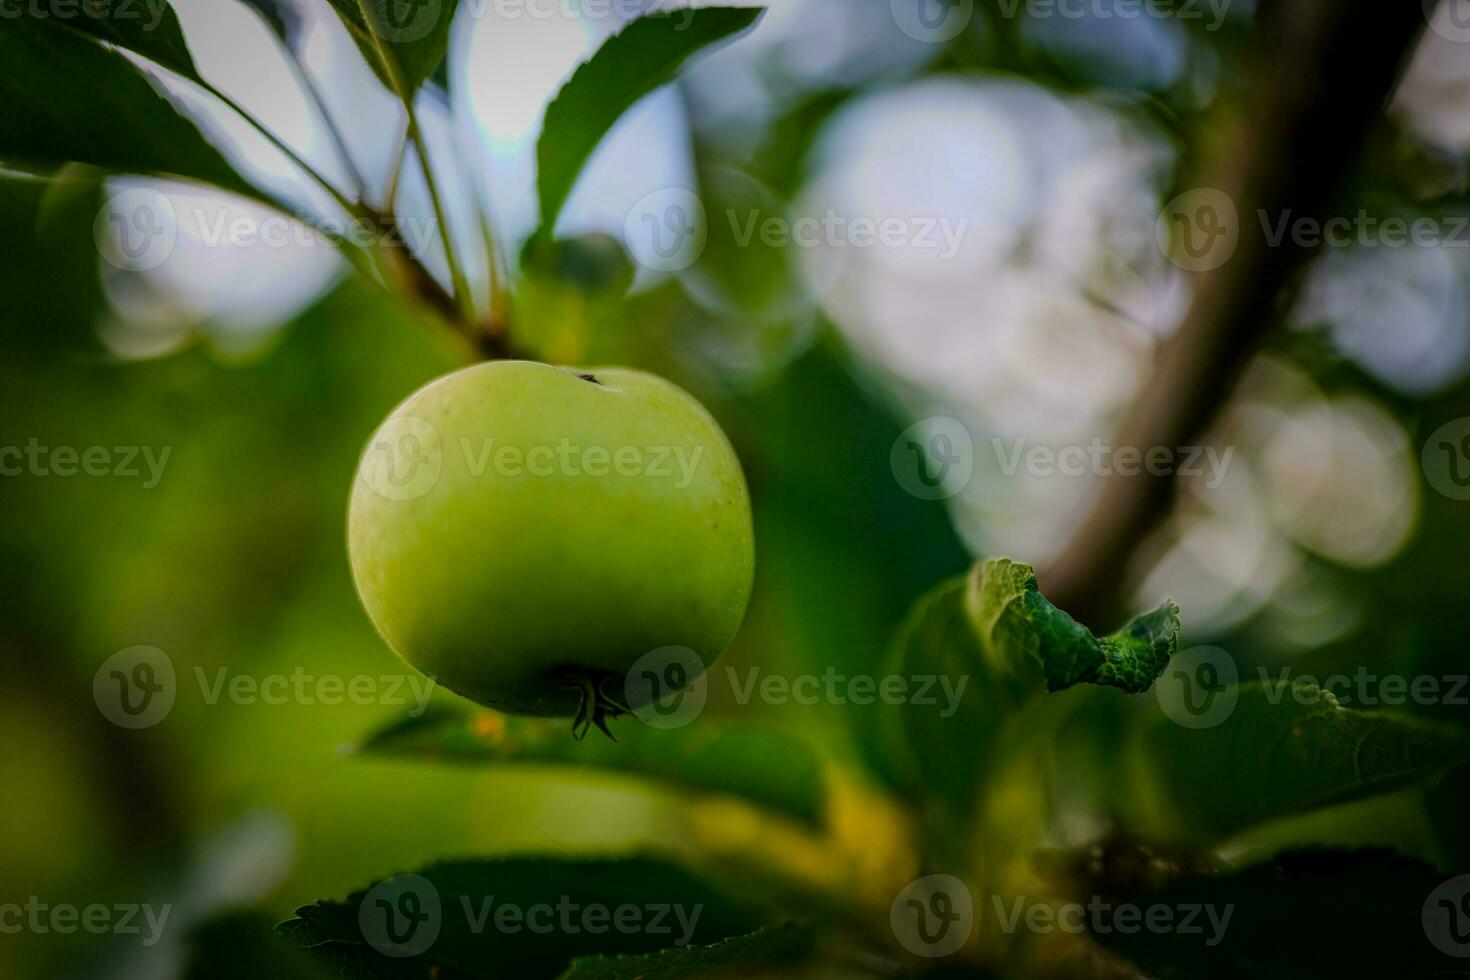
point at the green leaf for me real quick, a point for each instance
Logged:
(944, 751)
(1280, 751)
(646, 54)
(1019, 627)
(154, 34)
(763, 767)
(70, 100)
(524, 917)
(777, 949)
(1302, 915)
(403, 40)
(990, 645)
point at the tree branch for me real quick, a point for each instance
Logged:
(1320, 76)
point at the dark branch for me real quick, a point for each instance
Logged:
(1321, 74)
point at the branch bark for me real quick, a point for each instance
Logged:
(1320, 76)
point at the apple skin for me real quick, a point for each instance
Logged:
(510, 586)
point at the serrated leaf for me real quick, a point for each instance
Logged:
(1019, 628)
(70, 100)
(1278, 752)
(767, 768)
(524, 917)
(778, 948)
(1302, 915)
(645, 55)
(991, 645)
(403, 40)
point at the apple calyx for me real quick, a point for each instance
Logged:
(596, 706)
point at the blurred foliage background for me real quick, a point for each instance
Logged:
(262, 371)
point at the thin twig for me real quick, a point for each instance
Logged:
(416, 137)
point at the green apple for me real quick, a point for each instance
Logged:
(525, 533)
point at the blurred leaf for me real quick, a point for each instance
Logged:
(806, 506)
(763, 767)
(594, 263)
(466, 906)
(1277, 753)
(947, 752)
(402, 40)
(1019, 626)
(158, 37)
(1302, 915)
(646, 54)
(282, 17)
(778, 948)
(51, 288)
(68, 99)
